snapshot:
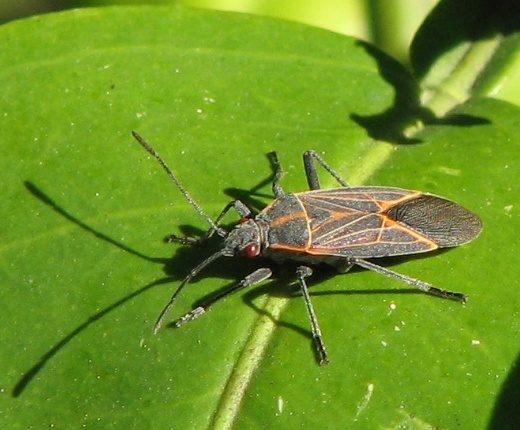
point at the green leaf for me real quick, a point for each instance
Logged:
(84, 271)
(468, 48)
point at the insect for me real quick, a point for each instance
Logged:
(341, 227)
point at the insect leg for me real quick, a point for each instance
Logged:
(423, 286)
(256, 277)
(303, 272)
(278, 174)
(309, 157)
(240, 207)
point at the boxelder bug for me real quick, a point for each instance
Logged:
(341, 227)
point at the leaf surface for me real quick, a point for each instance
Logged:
(84, 211)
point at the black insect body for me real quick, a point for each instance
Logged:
(341, 227)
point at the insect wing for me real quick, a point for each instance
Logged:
(443, 221)
(369, 222)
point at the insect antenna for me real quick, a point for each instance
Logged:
(178, 184)
(187, 279)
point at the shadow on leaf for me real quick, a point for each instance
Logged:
(407, 111)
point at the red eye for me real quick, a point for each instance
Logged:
(251, 250)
